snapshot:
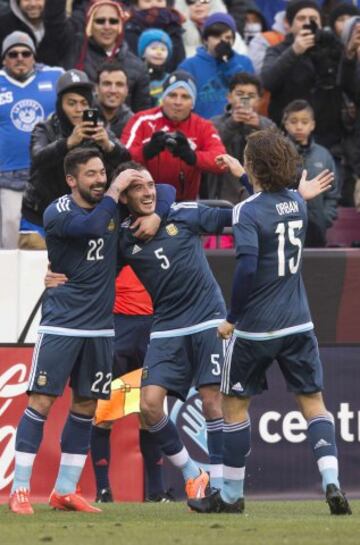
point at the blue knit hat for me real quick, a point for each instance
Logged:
(153, 35)
(219, 17)
(177, 79)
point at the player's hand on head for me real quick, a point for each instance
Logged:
(146, 227)
(225, 330)
(53, 279)
(228, 162)
(309, 189)
(124, 179)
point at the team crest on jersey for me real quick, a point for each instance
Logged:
(172, 230)
(26, 113)
(111, 226)
(42, 379)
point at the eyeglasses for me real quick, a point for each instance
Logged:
(192, 2)
(15, 54)
(110, 20)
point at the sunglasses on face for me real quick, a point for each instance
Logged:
(192, 2)
(110, 20)
(15, 54)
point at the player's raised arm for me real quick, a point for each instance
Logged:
(228, 162)
(309, 189)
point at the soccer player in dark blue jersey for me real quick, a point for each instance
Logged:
(188, 307)
(270, 320)
(76, 329)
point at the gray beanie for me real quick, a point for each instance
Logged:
(17, 38)
(348, 29)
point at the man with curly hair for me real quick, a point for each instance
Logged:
(269, 320)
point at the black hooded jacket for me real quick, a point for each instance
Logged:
(48, 149)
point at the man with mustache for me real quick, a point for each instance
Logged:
(76, 330)
(27, 96)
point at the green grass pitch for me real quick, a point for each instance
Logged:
(263, 523)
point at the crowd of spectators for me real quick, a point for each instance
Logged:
(174, 84)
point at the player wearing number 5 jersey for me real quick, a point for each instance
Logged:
(188, 306)
(270, 320)
(76, 330)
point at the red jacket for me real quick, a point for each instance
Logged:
(131, 297)
(166, 168)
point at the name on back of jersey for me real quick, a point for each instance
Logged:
(287, 207)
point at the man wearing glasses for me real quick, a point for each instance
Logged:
(101, 39)
(27, 96)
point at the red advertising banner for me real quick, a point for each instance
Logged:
(126, 472)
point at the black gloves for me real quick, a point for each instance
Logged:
(155, 146)
(223, 51)
(176, 143)
(183, 150)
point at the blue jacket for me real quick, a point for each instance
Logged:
(212, 79)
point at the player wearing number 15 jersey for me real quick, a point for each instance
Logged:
(270, 320)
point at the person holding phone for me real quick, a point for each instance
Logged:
(239, 120)
(69, 127)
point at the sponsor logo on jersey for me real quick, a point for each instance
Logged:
(145, 373)
(42, 379)
(172, 230)
(111, 225)
(26, 113)
(136, 249)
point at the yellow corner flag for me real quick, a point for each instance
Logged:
(124, 398)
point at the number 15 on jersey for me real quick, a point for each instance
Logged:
(286, 232)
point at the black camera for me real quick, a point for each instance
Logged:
(323, 36)
(170, 140)
(312, 27)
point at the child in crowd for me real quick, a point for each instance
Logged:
(155, 48)
(215, 63)
(147, 14)
(299, 123)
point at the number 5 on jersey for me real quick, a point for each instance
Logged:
(165, 263)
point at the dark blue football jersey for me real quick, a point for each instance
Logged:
(82, 306)
(174, 269)
(273, 226)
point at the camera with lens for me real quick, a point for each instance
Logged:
(323, 36)
(170, 140)
(325, 55)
